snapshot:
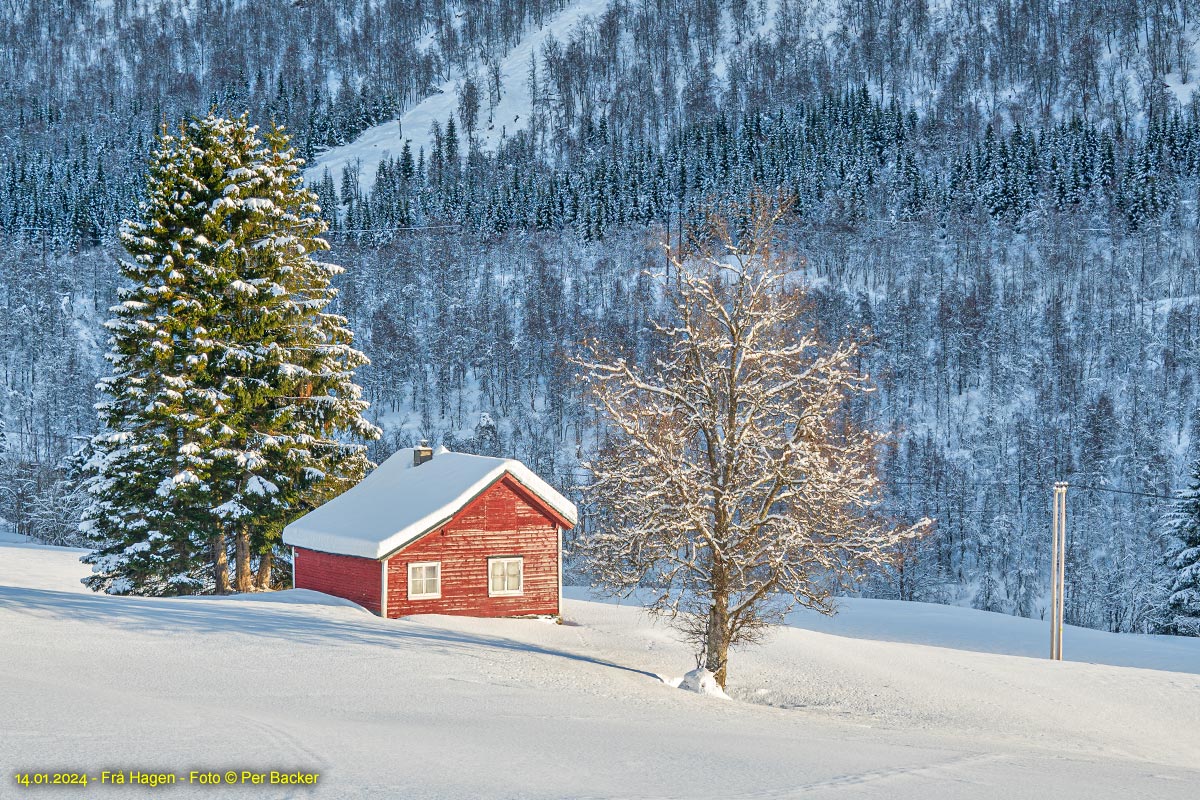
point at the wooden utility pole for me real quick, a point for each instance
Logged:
(1058, 564)
(1054, 577)
(667, 250)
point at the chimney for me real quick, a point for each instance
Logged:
(421, 453)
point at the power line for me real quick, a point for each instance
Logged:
(1012, 485)
(401, 229)
(1121, 491)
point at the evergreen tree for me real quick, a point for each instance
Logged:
(450, 142)
(148, 487)
(230, 381)
(1183, 602)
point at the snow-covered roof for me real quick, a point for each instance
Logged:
(398, 503)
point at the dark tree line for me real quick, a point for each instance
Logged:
(87, 84)
(843, 160)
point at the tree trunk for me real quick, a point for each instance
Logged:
(243, 580)
(716, 645)
(262, 581)
(220, 562)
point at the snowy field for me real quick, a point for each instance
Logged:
(887, 700)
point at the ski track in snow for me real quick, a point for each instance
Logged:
(887, 700)
(510, 115)
(512, 112)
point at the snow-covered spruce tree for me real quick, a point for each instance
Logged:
(732, 482)
(1183, 600)
(147, 476)
(283, 364)
(230, 381)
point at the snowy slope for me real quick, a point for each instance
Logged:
(986, 632)
(510, 115)
(7, 534)
(460, 708)
(1183, 90)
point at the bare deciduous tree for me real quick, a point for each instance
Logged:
(732, 481)
(468, 106)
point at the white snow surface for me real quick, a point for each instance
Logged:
(7, 534)
(450, 707)
(510, 115)
(1173, 81)
(398, 503)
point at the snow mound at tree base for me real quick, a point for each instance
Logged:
(701, 681)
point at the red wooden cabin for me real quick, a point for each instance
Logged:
(444, 533)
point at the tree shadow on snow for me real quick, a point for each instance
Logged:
(285, 620)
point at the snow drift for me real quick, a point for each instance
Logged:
(463, 708)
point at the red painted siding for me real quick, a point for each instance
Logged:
(504, 520)
(356, 579)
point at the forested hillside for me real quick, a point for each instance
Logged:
(1001, 197)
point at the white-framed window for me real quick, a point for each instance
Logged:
(424, 580)
(506, 576)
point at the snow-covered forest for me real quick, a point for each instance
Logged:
(1005, 195)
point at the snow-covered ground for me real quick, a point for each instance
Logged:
(7, 534)
(886, 700)
(1183, 90)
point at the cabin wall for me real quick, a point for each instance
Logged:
(502, 521)
(356, 579)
